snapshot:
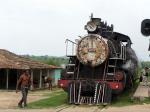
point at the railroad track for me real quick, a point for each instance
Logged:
(62, 108)
(69, 108)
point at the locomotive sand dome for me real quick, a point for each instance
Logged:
(92, 50)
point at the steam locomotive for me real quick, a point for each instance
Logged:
(104, 64)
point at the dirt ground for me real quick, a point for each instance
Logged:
(9, 100)
(135, 108)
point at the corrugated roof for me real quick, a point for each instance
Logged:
(55, 67)
(13, 61)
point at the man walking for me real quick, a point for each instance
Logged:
(49, 81)
(24, 81)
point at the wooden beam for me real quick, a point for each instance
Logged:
(7, 78)
(31, 87)
(47, 72)
(40, 84)
(17, 74)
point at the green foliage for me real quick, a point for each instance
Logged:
(145, 64)
(146, 100)
(51, 60)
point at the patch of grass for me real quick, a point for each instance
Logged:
(53, 93)
(146, 100)
(54, 100)
(59, 98)
(125, 98)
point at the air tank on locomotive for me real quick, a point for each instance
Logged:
(104, 64)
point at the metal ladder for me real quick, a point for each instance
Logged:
(74, 69)
(69, 72)
(70, 68)
(111, 68)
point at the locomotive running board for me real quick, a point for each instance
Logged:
(102, 94)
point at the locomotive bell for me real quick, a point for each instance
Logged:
(92, 50)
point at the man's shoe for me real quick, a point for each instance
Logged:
(20, 105)
(25, 105)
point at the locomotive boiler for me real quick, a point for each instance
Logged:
(102, 65)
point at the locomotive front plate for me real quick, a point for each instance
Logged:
(92, 50)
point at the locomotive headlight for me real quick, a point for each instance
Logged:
(91, 26)
(61, 85)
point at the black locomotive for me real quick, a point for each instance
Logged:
(104, 64)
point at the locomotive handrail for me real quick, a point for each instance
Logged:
(70, 41)
(73, 44)
(123, 51)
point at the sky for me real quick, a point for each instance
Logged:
(40, 27)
